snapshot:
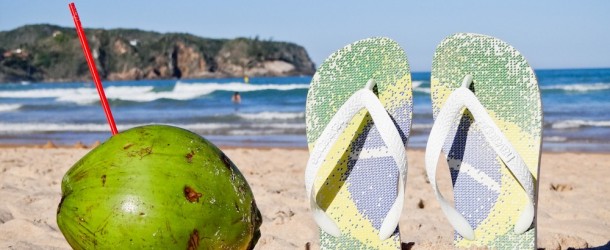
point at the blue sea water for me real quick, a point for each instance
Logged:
(272, 112)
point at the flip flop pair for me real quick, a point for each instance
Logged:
(487, 112)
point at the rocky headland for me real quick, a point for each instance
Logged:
(49, 53)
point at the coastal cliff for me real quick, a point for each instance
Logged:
(48, 53)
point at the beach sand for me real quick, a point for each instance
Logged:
(574, 209)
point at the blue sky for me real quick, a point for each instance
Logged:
(550, 33)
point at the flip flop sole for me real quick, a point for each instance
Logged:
(362, 178)
(485, 191)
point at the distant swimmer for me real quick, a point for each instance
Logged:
(246, 79)
(236, 98)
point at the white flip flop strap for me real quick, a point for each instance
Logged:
(464, 98)
(363, 98)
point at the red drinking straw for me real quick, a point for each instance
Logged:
(93, 68)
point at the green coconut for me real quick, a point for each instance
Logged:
(157, 187)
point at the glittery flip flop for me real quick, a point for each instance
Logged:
(358, 119)
(488, 124)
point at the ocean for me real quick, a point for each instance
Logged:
(576, 107)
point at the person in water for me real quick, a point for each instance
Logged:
(236, 98)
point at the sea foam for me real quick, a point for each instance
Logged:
(9, 107)
(579, 87)
(272, 116)
(181, 91)
(569, 124)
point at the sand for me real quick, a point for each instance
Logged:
(574, 208)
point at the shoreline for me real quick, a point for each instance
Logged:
(79, 145)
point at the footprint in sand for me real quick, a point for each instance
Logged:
(281, 216)
(5, 216)
(49, 144)
(561, 187)
(80, 145)
(561, 241)
(420, 204)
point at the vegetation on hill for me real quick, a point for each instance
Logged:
(52, 53)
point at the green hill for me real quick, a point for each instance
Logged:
(51, 53)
